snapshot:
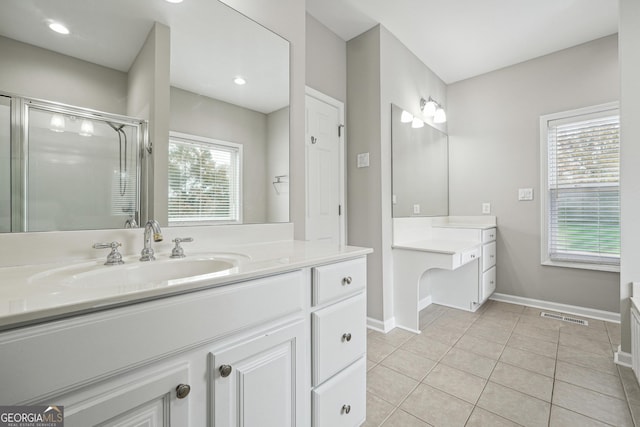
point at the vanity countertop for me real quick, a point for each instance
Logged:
(465, 225)
(31, 294)
(447, 247)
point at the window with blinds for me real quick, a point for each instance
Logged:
(204, 180)
(583, 187)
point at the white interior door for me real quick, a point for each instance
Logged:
(323, 149)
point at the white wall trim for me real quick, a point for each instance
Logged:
(424, 303)
(591, 313)
(623, 358)
(342, 141)
(380, 326)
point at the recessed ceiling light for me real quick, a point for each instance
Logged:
(58, 28)
(173, 1)
(239, 80)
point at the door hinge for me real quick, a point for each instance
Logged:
(340, 130)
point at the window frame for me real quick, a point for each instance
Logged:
(189, 138)
(545, 203)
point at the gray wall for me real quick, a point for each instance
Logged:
(201, 116)
(494, 150)
(277, 165)
(630, 128)
(149, 99)
(326, 61)
(380, 71)
(39, 73)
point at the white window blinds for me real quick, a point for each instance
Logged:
(204, 180)
(583, 188)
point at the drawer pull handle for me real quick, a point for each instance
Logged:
(346, 409)
(225, 370)
(183, 391)
(347, 280)
(346, 337)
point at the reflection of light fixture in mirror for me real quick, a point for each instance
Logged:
(440, 116)
(58, 28)
(432, 108)
(406, 117)
(239, 80)
(57, 123)
(417, 123)
(86, 128)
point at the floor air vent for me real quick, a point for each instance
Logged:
(564, 318)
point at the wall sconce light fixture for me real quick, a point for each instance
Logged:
(86, 128)
(431, 108)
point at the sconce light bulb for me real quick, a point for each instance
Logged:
(440, 116)
(417, 123)
(57, 123)
(430, 108)
(86, 128)
(406, 117)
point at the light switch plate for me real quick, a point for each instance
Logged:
(394, 199)
(363, 160)
(525, 194)
(486, 208)
(416, 209)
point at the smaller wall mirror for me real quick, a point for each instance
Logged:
(420, 168)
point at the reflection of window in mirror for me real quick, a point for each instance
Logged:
(204, 180)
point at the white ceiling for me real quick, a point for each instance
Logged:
(458, 39)
(210, 43)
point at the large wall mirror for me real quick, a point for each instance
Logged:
(420, 168)
(211, 47)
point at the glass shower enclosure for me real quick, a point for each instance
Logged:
(68, 168)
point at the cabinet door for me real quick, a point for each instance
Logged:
(258, 383)
(150, 400)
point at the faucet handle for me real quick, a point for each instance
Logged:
(114, 257)
(177, 251)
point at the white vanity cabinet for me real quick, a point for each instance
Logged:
(282, 350)
(487, 267)
(338, 338)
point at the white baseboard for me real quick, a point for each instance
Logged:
(380, 326)
(591, 313)
(424, 303)
(623, 358)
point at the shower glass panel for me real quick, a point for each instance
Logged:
(5, 164)
(83, 170)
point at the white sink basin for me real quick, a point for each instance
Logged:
(135, 275)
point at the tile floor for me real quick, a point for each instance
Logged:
(501, 366)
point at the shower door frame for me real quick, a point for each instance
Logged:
(20, 107)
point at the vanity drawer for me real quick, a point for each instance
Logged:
(488, 256)
(337, 280)
(488, 283)
(469, 255)
(341, 401)
(489, 235)
(339, 336)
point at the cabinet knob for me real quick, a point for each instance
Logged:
(225, 370)
(347, 280)
(473, 256)
(183, 391)
(492, 256)
(346, 409)
(491, 282)
(346, 337)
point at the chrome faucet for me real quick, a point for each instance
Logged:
(147, 251)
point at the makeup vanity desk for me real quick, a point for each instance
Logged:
(444, 260)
